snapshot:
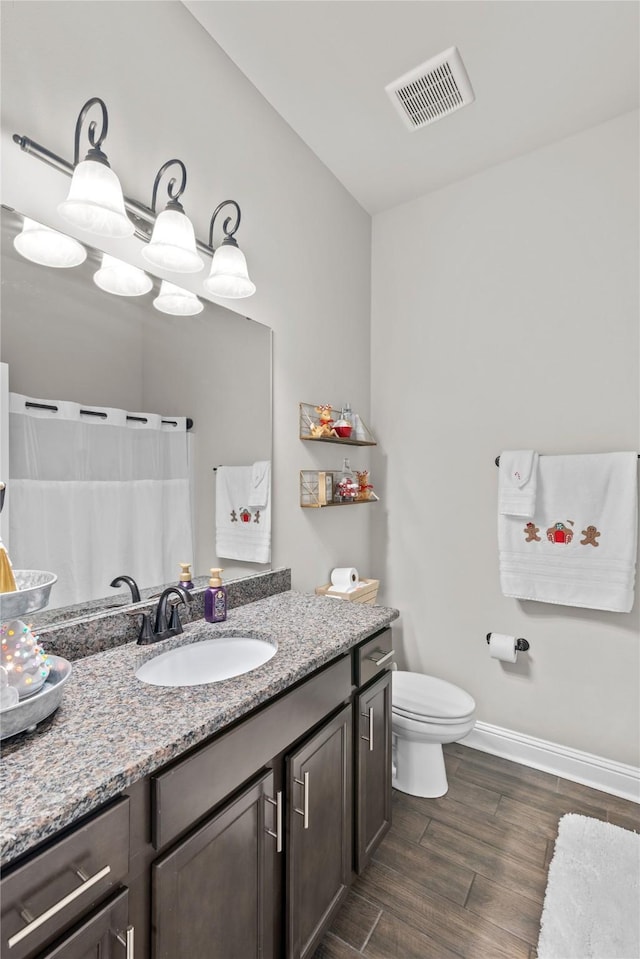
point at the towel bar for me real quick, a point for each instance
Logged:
(497, 460)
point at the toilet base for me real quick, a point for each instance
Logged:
(419, 768)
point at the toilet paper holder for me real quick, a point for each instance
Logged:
(522, 645)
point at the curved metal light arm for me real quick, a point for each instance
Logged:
(95, 153)
(229, 237)
(141, 214)
(173, 194)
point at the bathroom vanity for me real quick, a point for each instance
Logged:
(221, 820)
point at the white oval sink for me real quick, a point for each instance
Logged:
(206, 662)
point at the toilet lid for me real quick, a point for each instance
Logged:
(416, 695)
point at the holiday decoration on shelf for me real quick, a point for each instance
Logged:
(365, 489)
(23, 658)
(325, 425)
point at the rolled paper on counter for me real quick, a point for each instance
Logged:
(503, 647)
(344, 579)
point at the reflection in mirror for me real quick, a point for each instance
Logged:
(66, 339)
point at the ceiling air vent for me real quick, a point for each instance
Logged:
(432, 90)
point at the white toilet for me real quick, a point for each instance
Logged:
(426, 712)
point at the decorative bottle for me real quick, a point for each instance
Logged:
(215, 599)
(185, 576)
(344, 425)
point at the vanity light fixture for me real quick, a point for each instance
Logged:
(173, 241)
(174, 300)
(122, 279)
(229, 276)
(47, 247)
(95, 202)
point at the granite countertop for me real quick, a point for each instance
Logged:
(111, 729)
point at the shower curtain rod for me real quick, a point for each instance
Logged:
(102, 415)
(497, 460)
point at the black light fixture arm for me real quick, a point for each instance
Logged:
(95, 153)
(141, 215)
(228, 234)
(173, 194)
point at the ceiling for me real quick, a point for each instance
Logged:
(541, 70)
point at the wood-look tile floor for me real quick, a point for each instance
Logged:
(465, 875)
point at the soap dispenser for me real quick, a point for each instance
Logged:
(215, 599)
(185, 576)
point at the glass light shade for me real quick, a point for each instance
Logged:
(116, 276)
(173, 299)
(45, 246)
(229, 276)
(95, 202)
(173, 244)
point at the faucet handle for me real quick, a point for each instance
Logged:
(146, 632)
(175, 624)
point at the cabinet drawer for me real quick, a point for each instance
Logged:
(103, 934)
(373, 657)
(188, 790)
(48, 892)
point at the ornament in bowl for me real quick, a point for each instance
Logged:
(26, 664)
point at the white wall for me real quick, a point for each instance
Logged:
(505, 315)
(172, 92)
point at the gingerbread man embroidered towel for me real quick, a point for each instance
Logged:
(242, 531)
(579, 547)
(517, 482)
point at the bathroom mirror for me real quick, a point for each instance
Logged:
(64, 338)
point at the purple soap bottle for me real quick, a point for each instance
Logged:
(215, 599)
(185, 576)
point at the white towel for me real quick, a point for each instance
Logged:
(242, 532)
(260, 483)
(517, 482)
(580, 547)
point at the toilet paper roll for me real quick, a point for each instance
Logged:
(344, 579)
(503, 647)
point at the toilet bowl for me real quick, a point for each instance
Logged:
(426, 712)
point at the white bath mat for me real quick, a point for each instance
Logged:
(592, 901)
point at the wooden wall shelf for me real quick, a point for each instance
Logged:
(310, 421)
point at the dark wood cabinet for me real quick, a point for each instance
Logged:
(319, 821)
(372, 767)
(104, 935)
(212, 895)
(49, 894)
(242, 848)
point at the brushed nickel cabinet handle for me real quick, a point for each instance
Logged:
(127, 941)
(381, 659)
(369, 738)
(277, 835)
(304, 812)
(55, 909)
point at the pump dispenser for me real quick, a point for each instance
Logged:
(185, 576)
(215, 599)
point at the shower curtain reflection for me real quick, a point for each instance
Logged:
(91, 495)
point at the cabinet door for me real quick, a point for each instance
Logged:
(212, 895)
(319, 816)
(373, 768)
(102, 936)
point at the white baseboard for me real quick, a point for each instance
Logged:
(580, 767)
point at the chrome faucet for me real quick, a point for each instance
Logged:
(163, 629)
